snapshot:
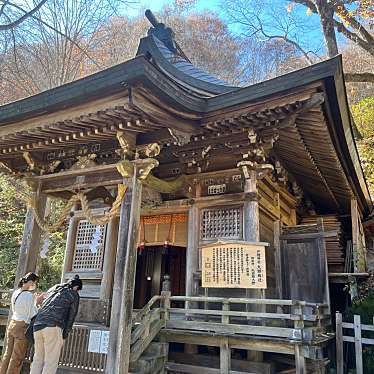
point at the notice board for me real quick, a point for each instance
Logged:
(234, 265)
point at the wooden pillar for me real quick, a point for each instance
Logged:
(299, 361)
(339, 344)
(225, 357)
(70, 246)
(251, 216)
(192, 255)
(125, 326)
(192, 262)
(278, 258)
(251, 209)
(109, 259)
(123, 231)
(30, 246)
(358, 240)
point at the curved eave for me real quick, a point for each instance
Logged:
(341, 130)
(149, 48)
(100, 85)
(330, 72)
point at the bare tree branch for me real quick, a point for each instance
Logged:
(58, 32)
(355, 24)
(354, 37)
(27, 14)
(293, 43)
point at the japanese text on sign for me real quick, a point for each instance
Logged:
(98, 341)
(234, 265)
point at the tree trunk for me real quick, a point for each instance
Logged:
(326, 14)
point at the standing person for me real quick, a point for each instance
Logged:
(23, 308)
(52, 325)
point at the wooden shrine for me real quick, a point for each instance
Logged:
(156, 161)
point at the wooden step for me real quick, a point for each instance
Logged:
(192, 369)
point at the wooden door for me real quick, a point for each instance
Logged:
(304, 263)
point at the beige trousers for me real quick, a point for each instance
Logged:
(48, 345)
(16, 347)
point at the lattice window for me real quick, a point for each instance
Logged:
(84, 259)
(221, 223)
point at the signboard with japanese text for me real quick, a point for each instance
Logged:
(234, 265)
(98, 341)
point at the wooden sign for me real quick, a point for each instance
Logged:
(234, 265)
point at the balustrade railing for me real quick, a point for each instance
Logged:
(298, 321)
(295, 321)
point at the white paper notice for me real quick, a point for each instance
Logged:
(94, 342)
(99, 341)
(104, 344)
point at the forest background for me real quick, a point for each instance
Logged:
(46, 43)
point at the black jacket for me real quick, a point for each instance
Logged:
(59, 309)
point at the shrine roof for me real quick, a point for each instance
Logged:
(160, 89)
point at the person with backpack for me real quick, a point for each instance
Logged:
(52, 325)
(23, 308)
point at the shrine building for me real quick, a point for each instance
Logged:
(214, 227)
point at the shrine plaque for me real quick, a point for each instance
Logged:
(234, 265)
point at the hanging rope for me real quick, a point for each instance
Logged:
(114, 210)
(45, 226)
(82, 198)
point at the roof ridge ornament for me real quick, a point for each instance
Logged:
(161, 32)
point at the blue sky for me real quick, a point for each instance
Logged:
(311, 40)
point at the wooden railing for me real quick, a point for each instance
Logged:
(147, 323)
(353, 334)
(75, 353)
(298, 321)
(294, 321)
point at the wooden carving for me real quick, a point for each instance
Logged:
(84, 162)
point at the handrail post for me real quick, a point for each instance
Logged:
(339, 344)
(225, 308)
(358, 344)
(166, 294)
(298, 310)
